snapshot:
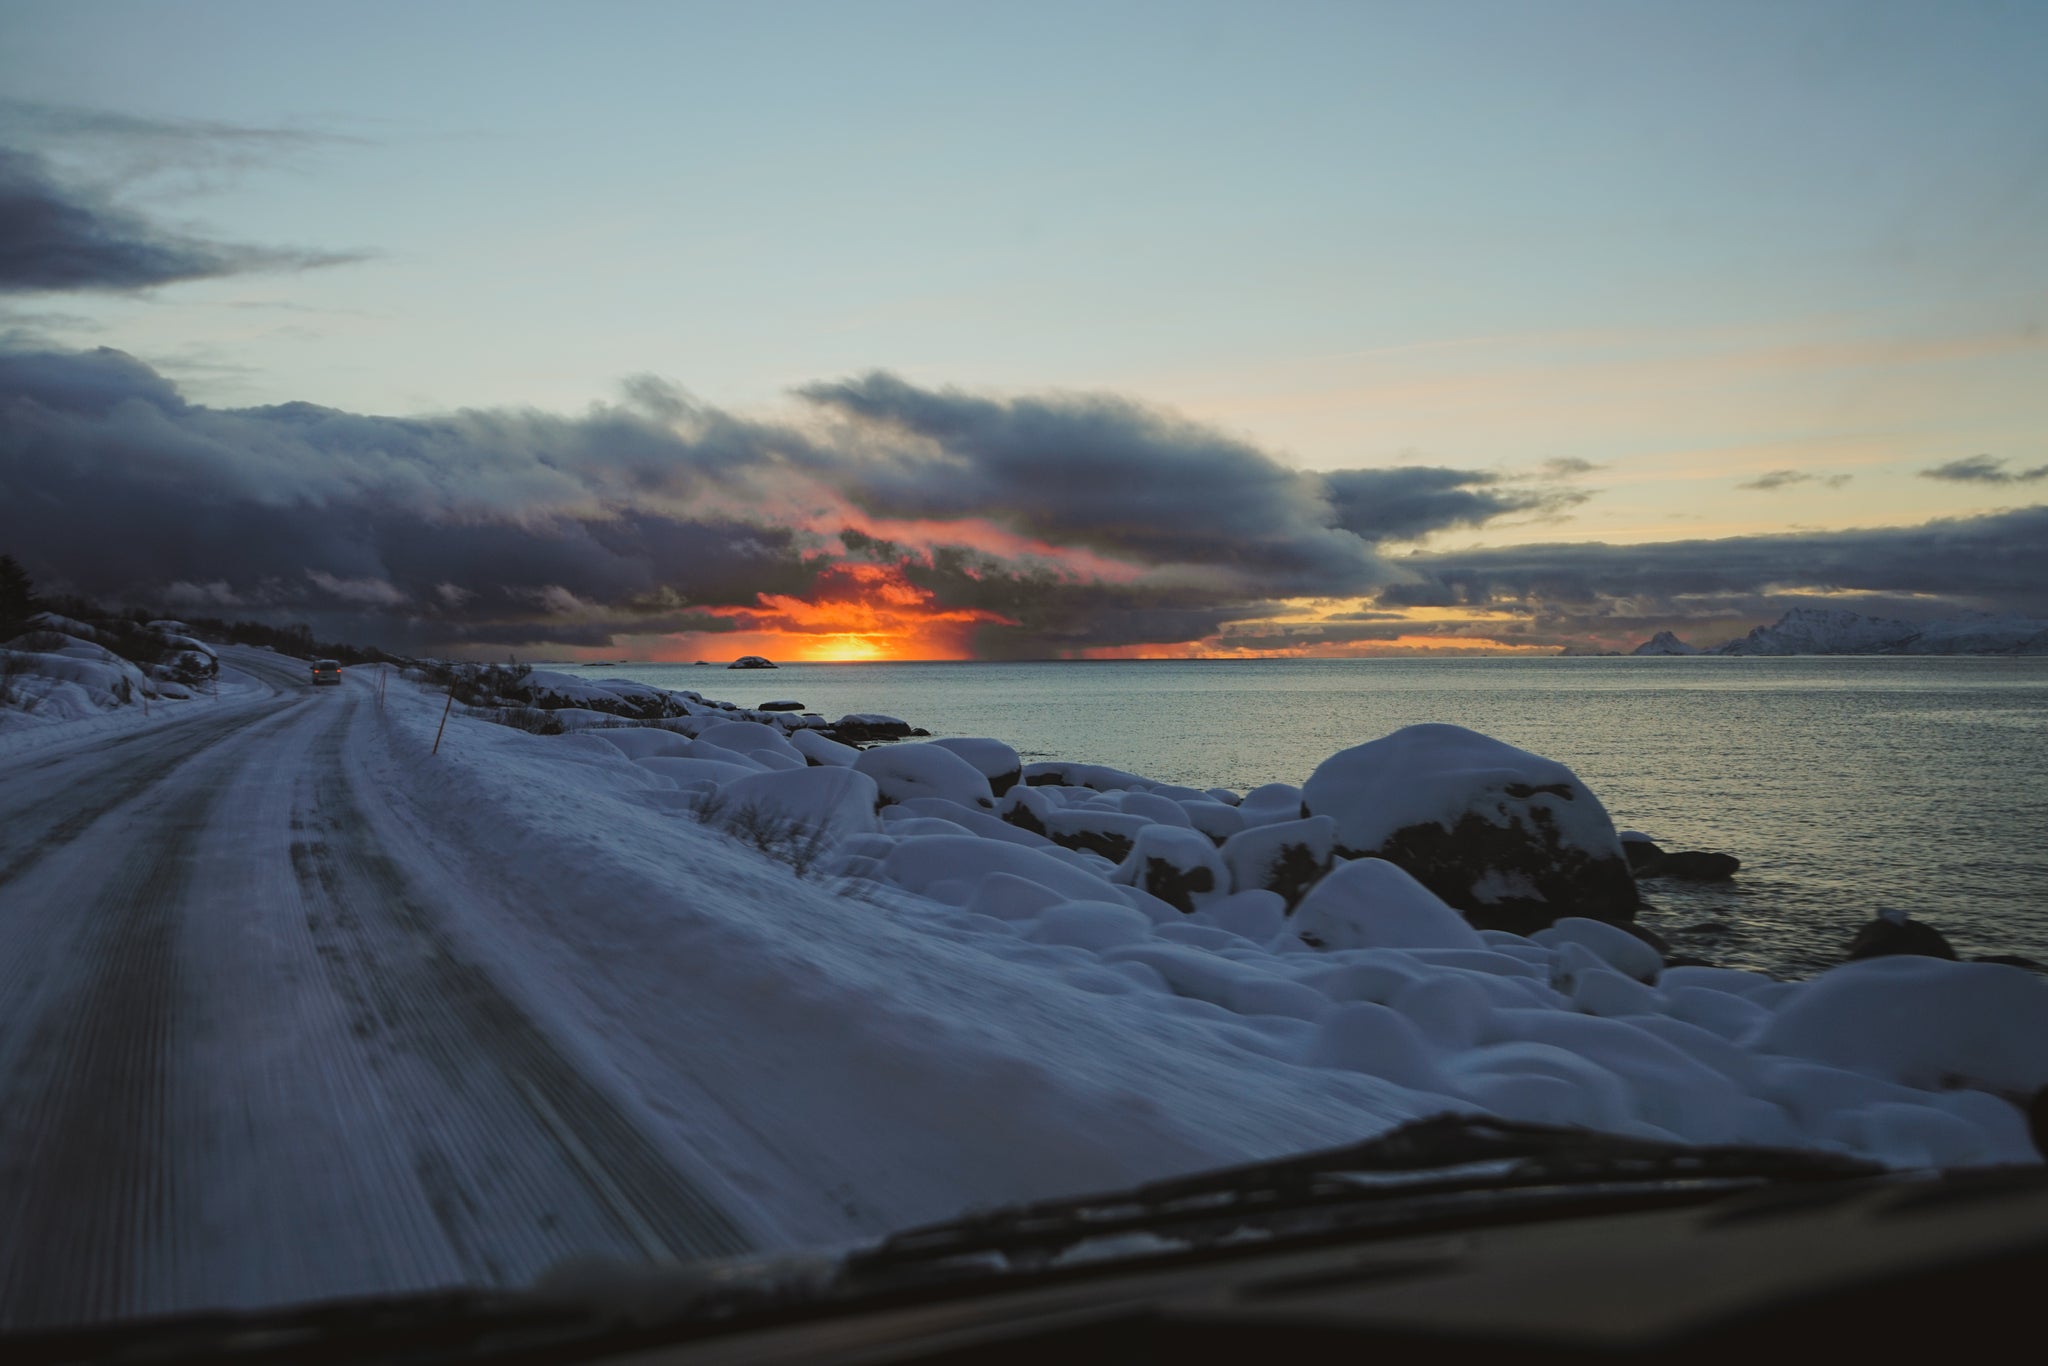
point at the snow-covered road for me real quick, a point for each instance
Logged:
(293, 1008)
(243, 1057)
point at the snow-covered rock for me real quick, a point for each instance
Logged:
(1271, 804)
(1372, 904)
(645, 742)
(995, 760)
(1512, 839)
(763, 744)
(1176, 864)
(1100, 829)
(1214, 819)
(1924, 1022)
(818, 749)
(925, 770)
(1286, 857)
(1612, 945)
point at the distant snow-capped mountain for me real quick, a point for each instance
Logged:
(1838, 631)
(1665, 643)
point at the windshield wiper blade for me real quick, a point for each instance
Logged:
(1448, 1155)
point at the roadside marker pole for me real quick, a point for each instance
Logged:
(444, 721)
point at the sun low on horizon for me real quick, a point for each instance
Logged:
(1480, 328)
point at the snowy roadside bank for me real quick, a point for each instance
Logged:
(955, 1008)
(64, 680)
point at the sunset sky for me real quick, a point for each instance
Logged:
(946, 331)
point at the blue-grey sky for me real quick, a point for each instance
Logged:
(1762, 263)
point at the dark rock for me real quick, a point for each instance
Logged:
(1640, 851)
(2037, 1120)
(1686, 960)
(1555, 879)
(1690, 865)
(1888, 935)
(780, 706)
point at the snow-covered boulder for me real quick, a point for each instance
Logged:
(817, 749)
(1286, 857)
(1217, 820)
(645, 742)
(993, 759)
(759, 743)
(1372, 904)
(1512, 839)
(1271, 804)
(1096, 777)
(1611, 944)
(949, 868)
(905, 771)
(700, 774)
(1924, 1022)
(1176, 864)
(1102, 830)
(972, 820)
(830, 803)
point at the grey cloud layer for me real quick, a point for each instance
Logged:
(511, 526)
(55, 237)
(503, 529)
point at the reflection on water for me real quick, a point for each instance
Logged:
(1844, 785)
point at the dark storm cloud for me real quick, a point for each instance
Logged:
(1097, 472)
(1052, 613)
(1409, 502)
(501, 526)
(508, 528)
(1995, 563)
(1984, 469)
(57, 237)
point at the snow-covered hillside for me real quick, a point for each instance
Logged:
(62, 669)
(1227, 930)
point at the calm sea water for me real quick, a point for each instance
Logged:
(1844, 785)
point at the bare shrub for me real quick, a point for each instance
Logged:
(782, 837)
(12, 667)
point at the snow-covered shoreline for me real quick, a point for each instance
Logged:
(1399, 1008)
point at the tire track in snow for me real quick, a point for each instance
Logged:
(86, 1174)
(524, 1160)
(38, 823)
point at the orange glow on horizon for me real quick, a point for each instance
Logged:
(853, 612)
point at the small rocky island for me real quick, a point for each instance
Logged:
(751, 662)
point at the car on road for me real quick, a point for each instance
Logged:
(327, 671)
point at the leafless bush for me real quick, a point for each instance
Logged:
(532, 720)
(784, 838)
(12, 667)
